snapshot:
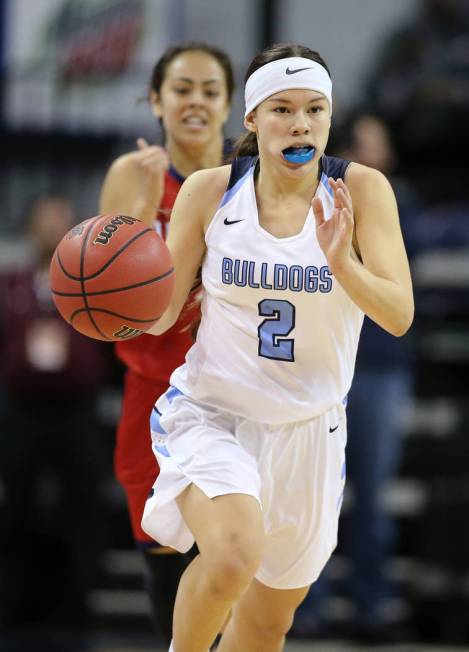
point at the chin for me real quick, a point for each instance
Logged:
(298, 170)
(195, 139)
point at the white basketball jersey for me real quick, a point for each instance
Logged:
(278, 336)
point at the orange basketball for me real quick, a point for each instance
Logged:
(111, 277)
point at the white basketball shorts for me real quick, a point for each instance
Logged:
(296, 471)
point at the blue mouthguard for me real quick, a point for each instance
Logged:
(299, 154)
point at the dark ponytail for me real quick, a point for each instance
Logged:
(246, 145)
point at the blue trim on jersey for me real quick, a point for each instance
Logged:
(231, 192)
(326, 184)
(162, 450)
(155, 420)
(155, 424)
(239, 167)
(171, 393)
(344, 471)
(339, 500)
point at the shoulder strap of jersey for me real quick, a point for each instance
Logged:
(239, 167)
(334, 167)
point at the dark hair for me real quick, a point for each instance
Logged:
(159, 71)
(246, 145)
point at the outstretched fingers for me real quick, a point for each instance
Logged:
(318, 210)
(345, 220)
(342, 196)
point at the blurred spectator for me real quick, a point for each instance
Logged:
(49, 440)
(420, 85)
(381, 387)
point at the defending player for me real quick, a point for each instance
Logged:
(295, 247)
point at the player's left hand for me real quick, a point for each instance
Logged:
(335, 234)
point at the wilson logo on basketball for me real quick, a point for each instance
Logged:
(106, 234)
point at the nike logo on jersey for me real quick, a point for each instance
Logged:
(333, 429)
(292, 72)
(227, 221)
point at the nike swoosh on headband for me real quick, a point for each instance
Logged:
(292, 72)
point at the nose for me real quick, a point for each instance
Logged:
(197, 97)
(300, 124)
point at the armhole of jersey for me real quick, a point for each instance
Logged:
(239, 168)
(335, 167)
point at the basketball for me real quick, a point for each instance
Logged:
(111, 277)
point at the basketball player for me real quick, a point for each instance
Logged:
(295, 247)
(190, 93)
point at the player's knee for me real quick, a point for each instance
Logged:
(272, 627)
(231, 569)
(228, 578)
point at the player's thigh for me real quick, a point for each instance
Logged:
(229, 524)
(267, 609)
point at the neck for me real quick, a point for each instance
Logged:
(187, 160)
(273, 182)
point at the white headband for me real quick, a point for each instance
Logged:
(286, 74)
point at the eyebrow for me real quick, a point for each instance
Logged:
(191, 81)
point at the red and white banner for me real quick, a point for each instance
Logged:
(83, 65)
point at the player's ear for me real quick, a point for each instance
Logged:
(250, 122)
(155, 104)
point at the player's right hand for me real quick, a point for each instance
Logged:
(152, 162)
(335, 234)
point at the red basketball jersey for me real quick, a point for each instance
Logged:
(156, 357)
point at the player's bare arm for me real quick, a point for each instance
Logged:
(366, 215)
(134, 184)
(196, 203)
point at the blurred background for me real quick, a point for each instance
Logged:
(74, 80)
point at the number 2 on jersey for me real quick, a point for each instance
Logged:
(271, 332)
